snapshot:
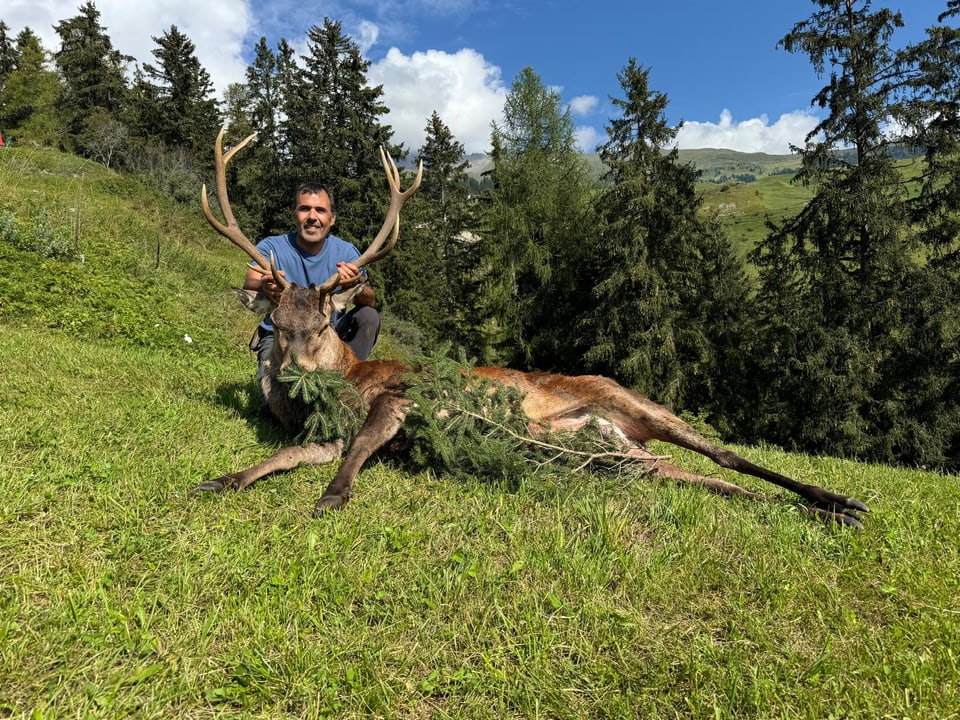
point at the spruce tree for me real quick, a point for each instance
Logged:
(844, 285)
(924, 375)
(536, 227)
(427, 277)
(262, 187)
(8, 53)
(670, 292)
(28, 97)
(332, 122)
(186, 115)
(92, 72)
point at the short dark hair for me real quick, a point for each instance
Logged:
(314, 188)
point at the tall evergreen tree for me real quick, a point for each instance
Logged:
(670, 291)
(92, 72)
(929, 113)
(427, 276)
(8, 53)
(27, 98)
(333, 127)
(185, 114)
(265, 78)
(924, 373)
(263, 185)
(841, 283)
(445, 156)
(537, 227)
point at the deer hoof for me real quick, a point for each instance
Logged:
(214, 486)
(856, 505)
(833, 502)
(846, 518)
(327, 503)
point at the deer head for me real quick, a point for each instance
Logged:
(302, 319)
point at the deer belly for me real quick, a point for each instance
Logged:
(570, 423)
(608, 431)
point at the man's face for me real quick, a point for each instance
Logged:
(313, 217)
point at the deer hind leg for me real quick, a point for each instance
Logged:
(283, 459)
(824, 504)
(712, 484)
(728, 489)
(641, 419)
(657, 465)
(384, 419)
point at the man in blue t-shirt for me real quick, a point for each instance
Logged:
(310, 255)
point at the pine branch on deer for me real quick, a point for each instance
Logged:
(462, 425)
(336, 405)
(465, 425)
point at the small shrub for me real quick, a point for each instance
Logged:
(39, 236)
(9, 233)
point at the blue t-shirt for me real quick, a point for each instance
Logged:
(302, 268)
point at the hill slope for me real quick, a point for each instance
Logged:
(581, 596)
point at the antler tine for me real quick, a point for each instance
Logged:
(386, 238)
(231, 230)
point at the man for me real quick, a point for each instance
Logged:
(309, 256)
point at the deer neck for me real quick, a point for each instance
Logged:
(337, 354)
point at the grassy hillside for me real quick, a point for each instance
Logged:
(744, 189)
(718, 165)
(123, 596)
(744, 208)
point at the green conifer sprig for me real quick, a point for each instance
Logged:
(336, 406)
(464, 425)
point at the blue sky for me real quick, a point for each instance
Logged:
(716, 61)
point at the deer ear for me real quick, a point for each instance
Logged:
(342, 298)
(254, 301)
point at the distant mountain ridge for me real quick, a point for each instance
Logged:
(718, 165)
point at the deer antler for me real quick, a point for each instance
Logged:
(385, 240)
(231, 230)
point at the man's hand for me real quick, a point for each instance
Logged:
(263, 282)
(350, 274)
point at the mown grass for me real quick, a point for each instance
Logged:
(121, 595)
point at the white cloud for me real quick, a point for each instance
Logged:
(584, 104)
(367, 35)
(588, 137)
(753, 135)
(464, 89)
(217, 29)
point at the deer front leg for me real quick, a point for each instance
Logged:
(384, 419)
(283, 459)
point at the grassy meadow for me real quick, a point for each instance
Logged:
(126, 381)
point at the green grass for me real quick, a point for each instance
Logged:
(121, 595)
(745, 208)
